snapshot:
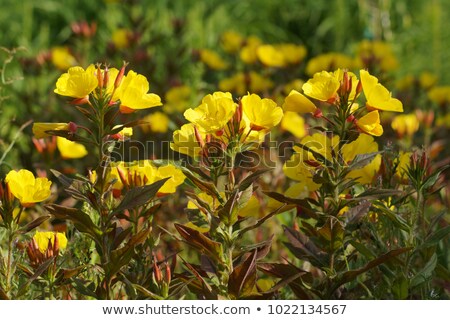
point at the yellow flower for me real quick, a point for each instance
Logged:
(184, 141)
(43, 238)
(175, 175)
(296, 169)
(292, 53)
(370, 124)
(28, 189)
(440, 95)
(405, 124)
(121, 38)
(294, 123)
(248, 52)
(263, 114)
(378, 51)
(323, 86)
(157, 122)
(295, 84)
(62, 59)
(177, 99)
(328, 62)
(427, 80)
(77, 82)
(270, 56)
(40, 128)
(133, 93)
(319, 143)
(240, 83)
(297, 102)
(403, 164)
(362, 145)
(377, 96)
(231, 41)
(212, 60)
(70, 149)
(214, 112)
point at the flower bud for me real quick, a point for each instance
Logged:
(120, 76)
(198, 137)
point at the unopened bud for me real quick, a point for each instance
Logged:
(80, 101)
(119, 77)
(198, 137)
(99, 77)
(359, 88)
(168, 274)
(105, 77)
(318, 113)
(73, 127)
(156, 271)
(350, 118)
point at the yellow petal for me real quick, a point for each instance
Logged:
(297, 102)
(378, 97)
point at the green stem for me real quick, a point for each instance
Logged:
(9, 260)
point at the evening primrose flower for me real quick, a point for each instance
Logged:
(43, 239)
(248, 53)
(212, 60)
(62, 58)
(292, 53)
(319, 143)
(133, 93)
(328, 62)
(175, 175)
(185, 142)
(214, 112)
(77, 82)
(157, 122)
(377, 96)
(440, 95)
(377, 52)
(231, 41)
(403, 165)
(362, 145)
(70, 149)
(177, 99)
(241, 83)
(26, 188)
(121, 38)
(270, 56)
(40, 128)
(296, 169)
(294, 123)
(370, 124)
(297, 102)
(323, 86)
(263, 114)
(405, 124)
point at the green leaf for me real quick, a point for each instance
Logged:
(123, 255)
(400, 288)
(205, 186)
(147, 293)
(199, 241)
(435, 237)
(139, 196)
(303, 248)
(248, 181)
(303, 204)
(228, 214)
(33, 224)
(243, 278)
(24, 288)
(81, 220)
(333, 232)
(316, 154)
(375, 193)
(362, 160)
(352, 274)
(198, 218)
(426, 273)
